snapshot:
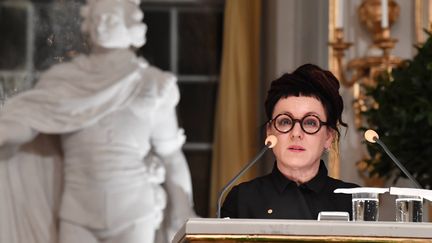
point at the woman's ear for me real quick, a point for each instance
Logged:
(331, 135)
(268, 129)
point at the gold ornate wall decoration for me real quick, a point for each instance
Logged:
(377, 16)
(360, 72)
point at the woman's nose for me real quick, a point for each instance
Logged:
(297, 131)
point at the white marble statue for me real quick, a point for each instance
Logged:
(113, 118)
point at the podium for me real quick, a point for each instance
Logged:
(202, 230)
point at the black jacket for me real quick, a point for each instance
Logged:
(273, 196)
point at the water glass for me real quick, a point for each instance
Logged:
(409, 208)
(365, 206)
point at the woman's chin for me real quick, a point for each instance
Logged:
(298, 163)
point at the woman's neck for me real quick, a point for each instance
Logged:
(299, 175)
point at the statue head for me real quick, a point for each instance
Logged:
(114, 23)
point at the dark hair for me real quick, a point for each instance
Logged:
(311, 81)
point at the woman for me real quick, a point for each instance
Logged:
(304, 109)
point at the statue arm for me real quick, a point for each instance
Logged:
(12, 135)
(167, 141)
(15, 133)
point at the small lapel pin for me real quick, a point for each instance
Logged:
(270, 211)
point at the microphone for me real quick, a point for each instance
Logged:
(270, 142)
(372, 137)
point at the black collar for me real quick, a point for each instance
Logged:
(316, 184)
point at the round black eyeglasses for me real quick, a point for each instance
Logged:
(310, 124)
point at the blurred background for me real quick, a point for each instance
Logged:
(225, 53)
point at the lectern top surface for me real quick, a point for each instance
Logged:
(263, 227)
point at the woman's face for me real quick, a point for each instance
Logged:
(297, 150)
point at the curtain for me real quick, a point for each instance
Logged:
(236, 124)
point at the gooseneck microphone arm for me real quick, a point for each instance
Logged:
(372, 137)
(270, 143)
(398, 163)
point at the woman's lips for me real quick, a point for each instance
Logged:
(296, 148)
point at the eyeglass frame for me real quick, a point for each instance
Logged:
(300, 121)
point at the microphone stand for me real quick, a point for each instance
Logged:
(229, 184)
(401, 167)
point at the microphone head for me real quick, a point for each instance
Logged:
(371, 136)
(271, 141)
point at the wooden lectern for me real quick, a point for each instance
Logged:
(272, 230)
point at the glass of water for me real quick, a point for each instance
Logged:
(365, 202)
(365, 206)
(409, 208)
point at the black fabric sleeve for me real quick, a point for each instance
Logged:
(230, 205)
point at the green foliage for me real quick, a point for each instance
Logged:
(403, 118)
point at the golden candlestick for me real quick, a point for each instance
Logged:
(339, 46)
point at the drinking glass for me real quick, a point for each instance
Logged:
(365, 206)
(409, 208)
